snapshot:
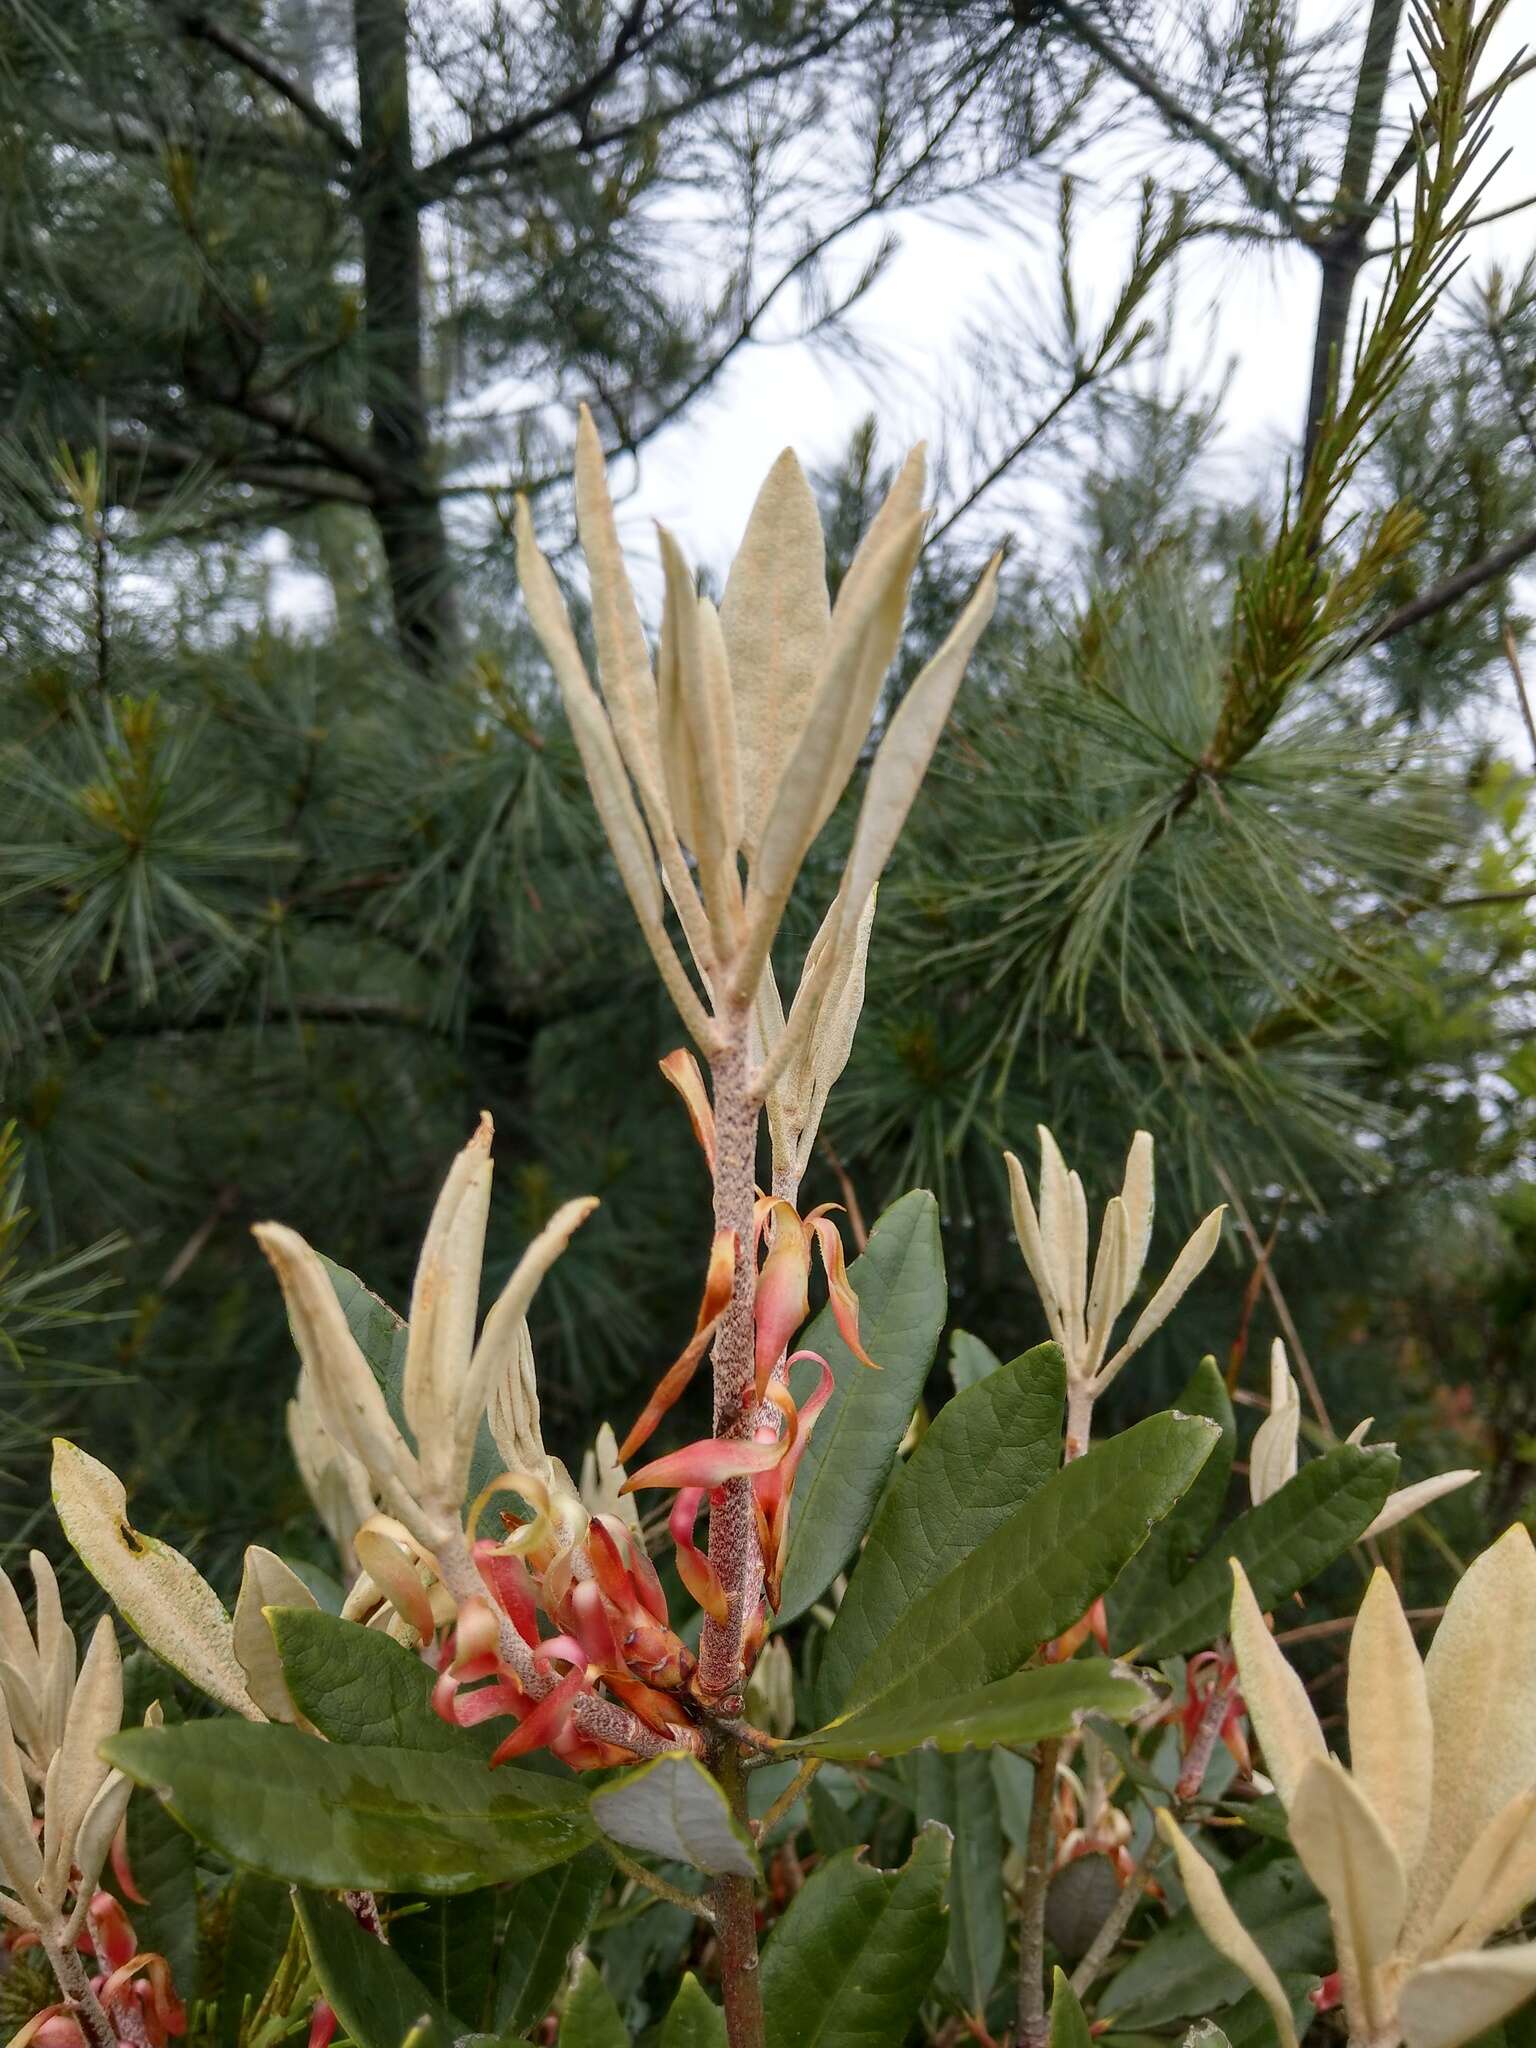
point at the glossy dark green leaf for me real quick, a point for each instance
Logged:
(338, 1815)
(1037, 1573)
(693, 2019)
(1069, 2027)
(958, 1791)
(970, 1360)
(449, 1945)
(549, 1914)
(255, 1918)
(851, 1961)
(162, 1857)
(357, 1685)
(591, 2018)
(1023, 1708)
(1282, 1544)
(1178, 1975)
(1177, 1541)
(985, 1454)
(899, 1279)
(374, 1994)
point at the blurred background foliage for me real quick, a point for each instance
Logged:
(1229, 837)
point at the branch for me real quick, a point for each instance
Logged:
(1256, 182)
(1422, 132)
(1443, 595)
(157, 453)
(436, 180)
(1345, 250)
(196, 24)
(576, 99)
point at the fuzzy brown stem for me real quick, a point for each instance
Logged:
(76, 1987)
(735, 1911)
(1033, 2024)
(733, 1546)
(1198, 1761)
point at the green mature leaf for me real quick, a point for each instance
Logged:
(339, 1816)
(1069, 2027)
(1250, 2023)
(849, 1964)
(449, 1945)
(970, 1360)
(899, 1279)
(1178, 1974)
(1039, 1572)
(357, 1685)
(551, 1912)
(1014, 1779)
(375, 1996)
(591, 2019)
(986, 1453)
(672, 1808)
(958, 1791)
(259, 1919)
(1177, 1541)
(1285, 1541)
(1025, 1707)
(833, 1826)
(693, 2020)
(163, 1859)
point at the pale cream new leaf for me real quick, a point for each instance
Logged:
(1497, 1880)
(352, 1405)
(775, 617)
(1346, 1851)
(1481, 1678)
(445, 1306)
(1138, 1192)
(501, 1326)
(1282, 1714)
(1412, 1500)
(159, 1593)
(266, 1582)
(1391, 1737)
(815, 773)
(907, 748)
(1443, 2004)
(1186, 1269)
(1222, 1928)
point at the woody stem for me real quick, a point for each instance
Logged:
(1033, 2023)
(733, 1546)
(76, 1987)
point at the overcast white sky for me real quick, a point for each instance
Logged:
(1249, 312)
(1244, 315)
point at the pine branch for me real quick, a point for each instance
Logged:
(437, 181)
(577, 99)
(1259, 187)
(195, 22)
(1443, 595)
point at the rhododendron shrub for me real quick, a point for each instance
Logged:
(889, 1722)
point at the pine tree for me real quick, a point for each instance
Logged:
(1214, 844)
